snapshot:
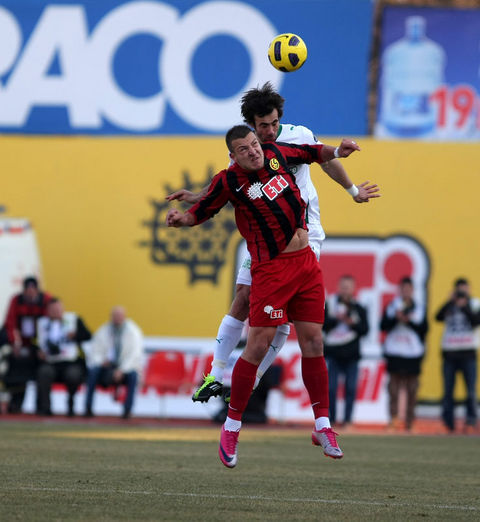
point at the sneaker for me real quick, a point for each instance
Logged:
(327, 439)
(227, 450)
(209, 388)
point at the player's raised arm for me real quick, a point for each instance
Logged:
(187, 195)
(344, 150)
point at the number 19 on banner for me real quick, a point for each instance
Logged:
(458, 108)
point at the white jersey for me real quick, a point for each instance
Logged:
(300, 135)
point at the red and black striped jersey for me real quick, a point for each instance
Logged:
(268, 205)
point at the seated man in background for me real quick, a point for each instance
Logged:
(116, 357)
(61, 356)
(21, 331)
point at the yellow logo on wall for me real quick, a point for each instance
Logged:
(274, 165)
(202, 249)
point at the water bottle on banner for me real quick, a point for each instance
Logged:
(412, 70)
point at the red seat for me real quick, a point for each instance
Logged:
(165, 372)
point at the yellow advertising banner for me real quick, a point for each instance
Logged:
(98, 208)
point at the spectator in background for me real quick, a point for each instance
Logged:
(405, 324)
(61, 355)
(116, 357)
(345, 323)
(20, 328)
(461, 315)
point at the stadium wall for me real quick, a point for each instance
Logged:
(98, 206)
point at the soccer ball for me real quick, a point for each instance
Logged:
(287, 52)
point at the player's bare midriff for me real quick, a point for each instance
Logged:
(298, 241)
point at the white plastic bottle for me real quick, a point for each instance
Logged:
(412, 69)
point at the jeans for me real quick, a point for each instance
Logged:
(97, 374)
(409, 383)
(468, 367)
(349, 369)
(72, 374)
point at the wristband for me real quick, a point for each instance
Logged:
(353, 191)
(335, 152)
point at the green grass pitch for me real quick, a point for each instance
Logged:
(51, 471)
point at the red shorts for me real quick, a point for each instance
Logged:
(287, 288)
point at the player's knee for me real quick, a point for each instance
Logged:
(258, 342)
(312, 346)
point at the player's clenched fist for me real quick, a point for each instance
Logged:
(175, 218)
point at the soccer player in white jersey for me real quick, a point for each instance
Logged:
(262, 109)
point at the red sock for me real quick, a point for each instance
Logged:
(243, 379)
(315, 378)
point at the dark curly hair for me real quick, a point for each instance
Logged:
(260, 102)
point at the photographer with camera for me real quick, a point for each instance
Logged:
(345, 323)
(461, 315)
(405, 324)
(62, 359)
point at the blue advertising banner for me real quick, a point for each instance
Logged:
(176, 67)
(429, 77)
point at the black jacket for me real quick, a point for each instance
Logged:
(351, 349)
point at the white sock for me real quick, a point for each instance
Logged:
(278, 343)
(322, 422)
(232, 424)
(228, 337)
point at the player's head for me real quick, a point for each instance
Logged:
(244, 147)
(262, 109)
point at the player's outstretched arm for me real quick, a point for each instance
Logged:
(177, 219)
(187, 196)
(337, 172)
(366, 192)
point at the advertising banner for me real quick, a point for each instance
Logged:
(176, 67)
(429, 86)
(98, 209)
(174, 367)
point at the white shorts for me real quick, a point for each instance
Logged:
(244, 277)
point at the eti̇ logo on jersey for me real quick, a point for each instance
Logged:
(274, 165)
(274, 314)
(275, 186)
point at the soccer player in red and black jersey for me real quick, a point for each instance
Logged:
(287, 282)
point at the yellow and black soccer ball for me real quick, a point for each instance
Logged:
(287, 52)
